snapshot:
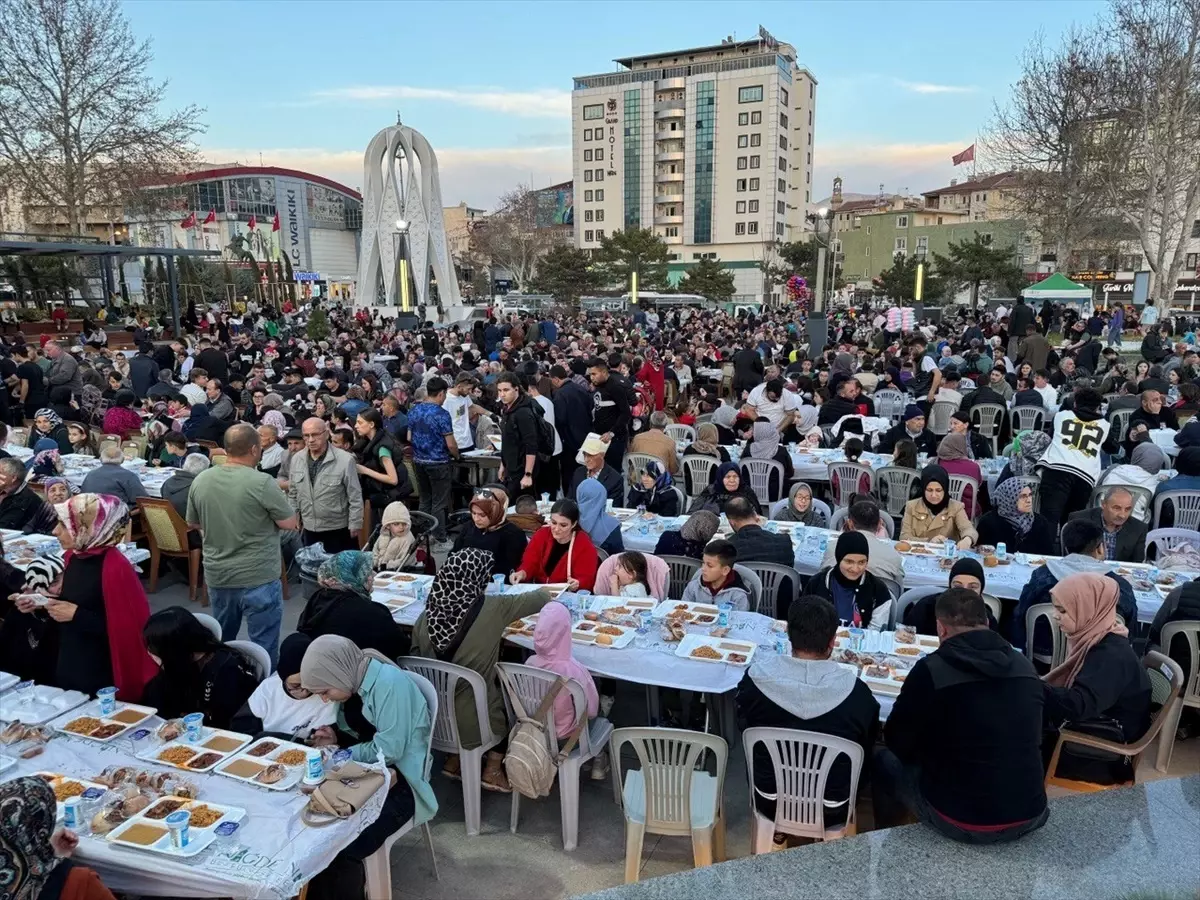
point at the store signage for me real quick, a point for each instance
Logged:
(1100, 275)
(293, 227)
(306, 276)
(611, 121)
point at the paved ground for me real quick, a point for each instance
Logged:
(531, 864)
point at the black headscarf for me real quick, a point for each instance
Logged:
(967, 566)
(931, 474)
(291, 653)
(849, 542)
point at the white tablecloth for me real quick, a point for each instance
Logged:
(271, 855)
(76, 469)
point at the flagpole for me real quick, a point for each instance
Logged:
(974, 155)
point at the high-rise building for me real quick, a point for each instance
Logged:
(709, 147)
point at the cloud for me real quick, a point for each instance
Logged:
(925, 87)
(902, 168)
(548, 103)
(478, 176)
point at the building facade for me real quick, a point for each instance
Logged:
(984, 198)
(711, 148)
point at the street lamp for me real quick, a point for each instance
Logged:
(816, 324)
(399, 241)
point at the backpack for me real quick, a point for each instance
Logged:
(529, 763)
(545, 434)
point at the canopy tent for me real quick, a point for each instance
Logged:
(1058, 287)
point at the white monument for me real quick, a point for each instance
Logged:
(403, 229)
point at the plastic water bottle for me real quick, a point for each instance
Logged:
(950, 548)
(824, 543)
(781, 645)
(1001, 551)
(723, 615)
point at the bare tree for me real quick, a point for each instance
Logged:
(80, 120)
(511, 238)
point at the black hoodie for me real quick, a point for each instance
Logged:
(970, 716)
(346, 614)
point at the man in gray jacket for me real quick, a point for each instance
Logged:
(113, 478)
(324, 489)
(64, 369)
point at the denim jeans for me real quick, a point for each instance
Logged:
(263, 608)
(434, 480)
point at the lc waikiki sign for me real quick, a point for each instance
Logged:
(293, 232)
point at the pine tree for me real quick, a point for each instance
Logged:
(318, 324)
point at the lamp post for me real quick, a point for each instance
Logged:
(816, 325)
(399, 245)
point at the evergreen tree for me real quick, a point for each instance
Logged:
(566, 273)
(976, 263)
(637, 250)
(708, 279)
(899, 282)
(318, 324)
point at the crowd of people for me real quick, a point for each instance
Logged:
(342, 442)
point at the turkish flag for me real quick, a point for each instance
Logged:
(275, 224)
(189, 222)
(210, 218)
(253, 222)
(967, 155)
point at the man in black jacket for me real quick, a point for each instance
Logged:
(611, 413)
(752, 542)
(143, 371)
(912, 428)
(20, 508)
(748, 372)
(807, 691)
(964, 736)
(212, 360)
(1020, 318)
(572, 418)
(1151, 416)
(518, 436)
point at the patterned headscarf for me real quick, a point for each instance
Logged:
(706, 440)
(50, 415)
(766, 441)
(72, 490)
(1029, 447)
(275, 418)
(662, 478)
(700, 527)
(455, 598)
(95, 521)
(349, 570)
(43, 571)
(27, 814)
(1005, 496)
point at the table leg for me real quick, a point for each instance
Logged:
(724, 721)
(652, 705)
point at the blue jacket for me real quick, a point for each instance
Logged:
(1037, 590)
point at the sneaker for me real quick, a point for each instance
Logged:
(600, 766)
(606, 705)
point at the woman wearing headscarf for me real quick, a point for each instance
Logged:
(799, 507)
(46, 461)
(952, 456)
(28, 636)
(201, 426)
(725, 417)
(653, 374)
(1024, 454)
(342, 605)
(48, 424)
(727, 482)
(860, 598)
(102, 607)
(461, 627)
(552, 653)
(34, 852)
(1101, 678)
(594, 520)
(764, 444)
(654, 491)
(560, 553)
(1142, 472)
(691, 538)
(1013, 522)
(707, 443)
(276, 419)
(280, 705)
(395, 545)
(934, 515)
(335, 670)
(490, 530)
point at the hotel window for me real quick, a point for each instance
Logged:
(589, 236)
(753, 206)
(783, 120)
(743, 118)
(780, 207)
(599, 215)
(781, 186)
(595, 111)
(755, 162)
(753, 229)
(743, 141)
(756, 118)
(599, 174)
(587, 215)
(587, 134)
(741, 184)
(739, 228)
(754, 184)
(599, 154)
(600, 196)
(783, 98)
(587, 174)
(782, 142)
(740, 209)
(587, 196)
(587, 155)
(741, 162)
(756, 140)
(599, 234)
(750, 94)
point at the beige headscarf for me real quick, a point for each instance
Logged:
(394, 552)
(335, 662)
(1089, 603)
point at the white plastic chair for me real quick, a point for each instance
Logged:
(1058, 650)
(1190, 695)
(939, 416)
(254, 653)
(958, 490)
(681, 433)
(668, 795)
(894, 484)
(849, 476)
(889, 404)
(1186, 505)
(1118, 421)
(683, 568)
(771, 576)
(379, 864)
(1143, 498)
(532, 686)
(210, 623)
(1027, 418)
(699, 471)
(445, 678)
(1167, 539)
(907, 599)
(820, 507)
(635, 463)
(988, 418)
(759, 472)
(802, 761)
(843, 513)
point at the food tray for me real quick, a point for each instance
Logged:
(48, 703)
(553, 589)
(199, 838)
(7, 680)
(620, 606)
(723, 646)
(398, 581)
(207, 736)
(521, 627)
(106, 731)
(690, 613)
(587, 632)
(396, 602)
(919, 548)
(55, 779)
(277, 748)
(888, 685)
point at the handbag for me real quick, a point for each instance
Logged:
(342, 794)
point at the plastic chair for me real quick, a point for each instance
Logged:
(445, 678)
(802, 761)
(907, 599)
(1027, 418)
(668, 795)
(254, 653)
(167, 535)
(1186, 505)
(889, 404)
(939, 416)
(989, 417)
(1141, 497)
(843, 513)
(531, 686)
(759, 472)
(1157, 665)
(771, 576)
(823, 514)
(1164, 540)
(681, 433)
(635, 463)
(379, 864)
(894, 483)
(1058, 650)
(698, 472)
(1190, 696)
(1118, 421)
(1034, 483)
(683, 568)
(210, 623)
(845, 479)
(958, 491)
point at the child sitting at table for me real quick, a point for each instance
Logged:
(630, 578)
(280, 706)
(173, 451)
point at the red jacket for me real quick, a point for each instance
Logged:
(123, 421)
(656, 378)
(582, 556)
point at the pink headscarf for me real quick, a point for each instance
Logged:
(552, 646)
(1089, 603)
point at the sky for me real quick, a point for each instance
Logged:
(902, 85)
